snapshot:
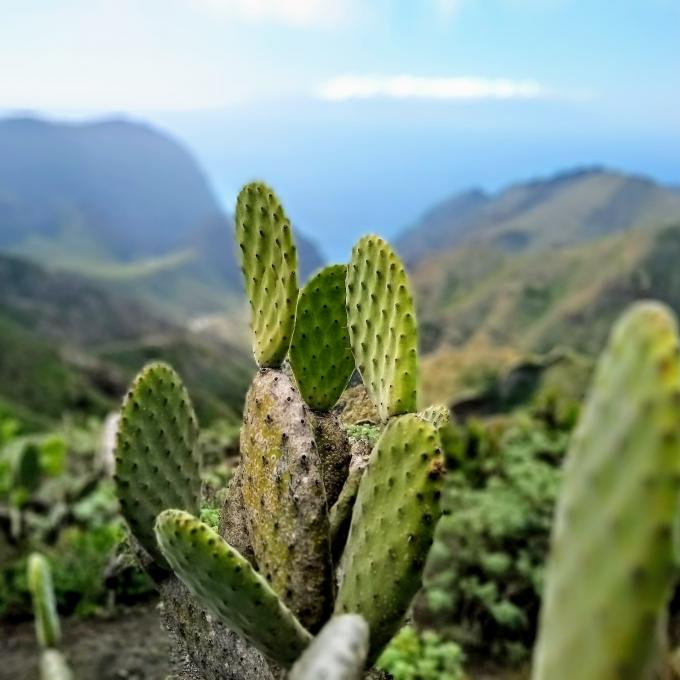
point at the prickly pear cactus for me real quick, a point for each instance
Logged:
(157, 460)
(320, 352)
(224, 583)
(611, 561)
(284, 497)
(269, 265)
(338, 652)
(47, 628)
(392, 525)
(382, 326)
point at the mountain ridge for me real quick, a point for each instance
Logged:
(126, 204)
(565, 208)
(69, 345)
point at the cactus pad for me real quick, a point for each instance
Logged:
(269, 265)
(337, 653)
(284, 497)
(382, 326)
(157, 460)
(47, 628)
(393, 520)
(226, 585)
(611, 561)
(53, 666)
(320, 352)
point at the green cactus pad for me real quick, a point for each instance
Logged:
(338, 652)
(284, 497)
(320, 352)
(47, 628)
(223, 581)
(340, 514)
(53, 666)
(269, 265)
(392, 525)
(382, 326)
(157, 459)
(611, 561)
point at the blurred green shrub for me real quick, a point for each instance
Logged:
(56, 497)
(484, 574)
(421, 656)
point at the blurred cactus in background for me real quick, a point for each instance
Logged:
(53, 665)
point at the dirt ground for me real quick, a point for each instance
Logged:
(130, 646)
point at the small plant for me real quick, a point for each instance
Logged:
(314, 535)
(484, 573)
(53, 665)
(422, 656)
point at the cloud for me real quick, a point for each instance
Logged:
(448, 7)
(347, 87)
(296, 13)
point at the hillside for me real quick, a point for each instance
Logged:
(540, 266)
(67, 345)
(538, 300)
(123, 203)
(563, 210)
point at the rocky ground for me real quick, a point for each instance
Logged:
(129, 646)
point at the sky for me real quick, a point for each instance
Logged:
(362, 115)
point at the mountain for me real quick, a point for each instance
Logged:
(540, 299)
(68, 345)
(540, 266)
(567, 209)
(122, 203)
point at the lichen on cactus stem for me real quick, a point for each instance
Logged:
(157, 457)
(382, 326)
(338, 652)
(333, 446)
(611, 563)
(437, 414)
(269, 265)
(284, 497)
(393, 520)
(47, 628)
(320, 352)
(225, 584)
